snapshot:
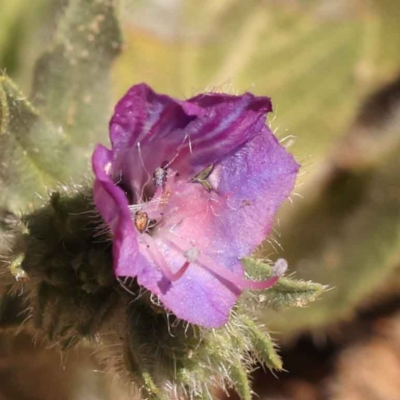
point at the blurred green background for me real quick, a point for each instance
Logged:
(318, 60)
(329, 66)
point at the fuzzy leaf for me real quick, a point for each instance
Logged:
(240, 378)
(71, 90)
(263, 345)
(71, 83)
(31, 149)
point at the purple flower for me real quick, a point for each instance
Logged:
(188, 189)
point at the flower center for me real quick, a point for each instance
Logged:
(147, 209)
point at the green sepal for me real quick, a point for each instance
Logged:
(287, 292)
(264, 348)
(240, 378)
(293, 293)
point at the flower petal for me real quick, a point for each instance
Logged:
(142, 114)
(188, 135)
(141, 122)
(112, 205)
(198, 297)
(191, 257)
(235, 217)
(205, 292)
(227, 124)
(254, 182)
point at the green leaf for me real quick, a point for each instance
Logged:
(31, 150)
(72, 83)
(49, 143)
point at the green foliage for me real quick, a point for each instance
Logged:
(31, 149)
(49, 143)
(293, 293)
(71, 85)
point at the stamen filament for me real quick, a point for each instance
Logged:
(158, 257)
(221, 272)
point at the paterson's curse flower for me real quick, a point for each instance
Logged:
(188, 189)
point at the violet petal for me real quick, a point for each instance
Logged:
(112, 205)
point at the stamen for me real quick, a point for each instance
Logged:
(221, 272)
(190, 145)
(158, 257)
(150, 207)
(238, 281)
(179, 149)
(145, 169)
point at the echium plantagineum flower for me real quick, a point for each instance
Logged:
(188, 189)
